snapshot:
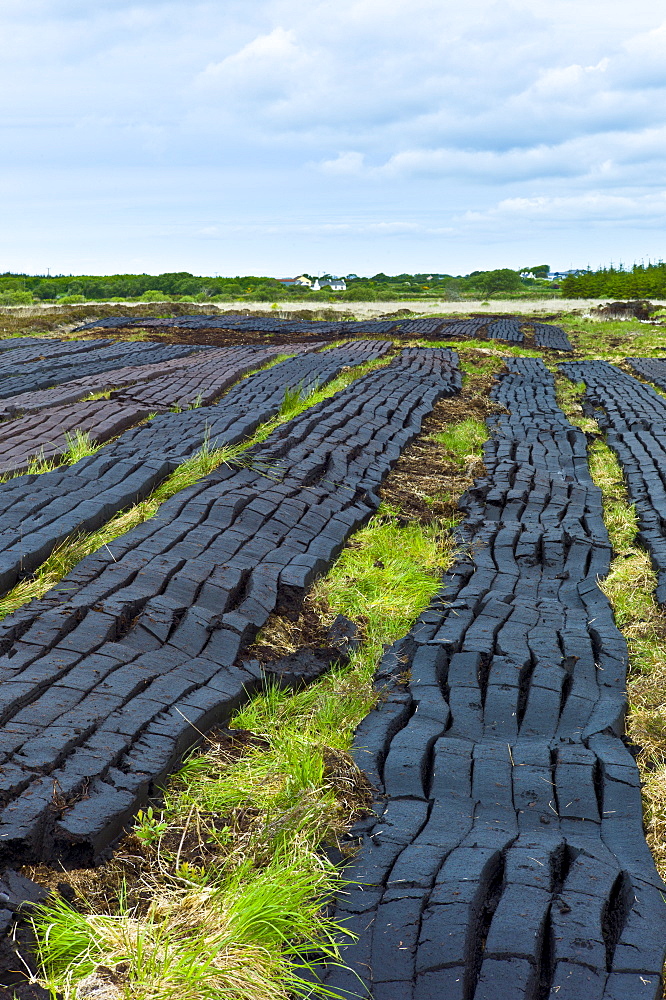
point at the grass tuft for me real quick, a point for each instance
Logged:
(38, 464)
(79, 445)
(237, 935)
(463, 441)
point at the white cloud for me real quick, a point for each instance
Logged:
(599, 208)
(346, 121)
(267, 69)
(350, 163)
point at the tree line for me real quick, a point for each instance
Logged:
(16, 289)
(641, 281)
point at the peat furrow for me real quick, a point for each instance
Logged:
(505, 857)
(46, 434)
(251, 324)
(633, 417)
(18, 375)
(117, 671)
(39, 511)
(506, 328)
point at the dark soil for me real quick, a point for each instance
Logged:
(425, 485)
(307, 630)
(221, 337)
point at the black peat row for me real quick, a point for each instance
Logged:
(37, 512)
(113, 675)
(506, 858)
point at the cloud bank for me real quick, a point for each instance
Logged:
(351, 136)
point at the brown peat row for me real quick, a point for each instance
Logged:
(505, 859)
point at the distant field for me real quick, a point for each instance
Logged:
(367, 310)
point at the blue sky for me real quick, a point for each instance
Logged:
(275, 136)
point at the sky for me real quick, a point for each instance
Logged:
(281, 136)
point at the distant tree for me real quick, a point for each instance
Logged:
(501, 280)
(15, 297)
(539, 270)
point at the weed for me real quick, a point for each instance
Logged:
(38, 464)
(148, 828)
(79, 445)
(463, 441)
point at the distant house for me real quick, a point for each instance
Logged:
(290, 282)
(559, 275)
(335, 284)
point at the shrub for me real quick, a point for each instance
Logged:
(16, 298)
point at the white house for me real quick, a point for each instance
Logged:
(335, 284)
(558, 275)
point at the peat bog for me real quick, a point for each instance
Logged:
(316, 648)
